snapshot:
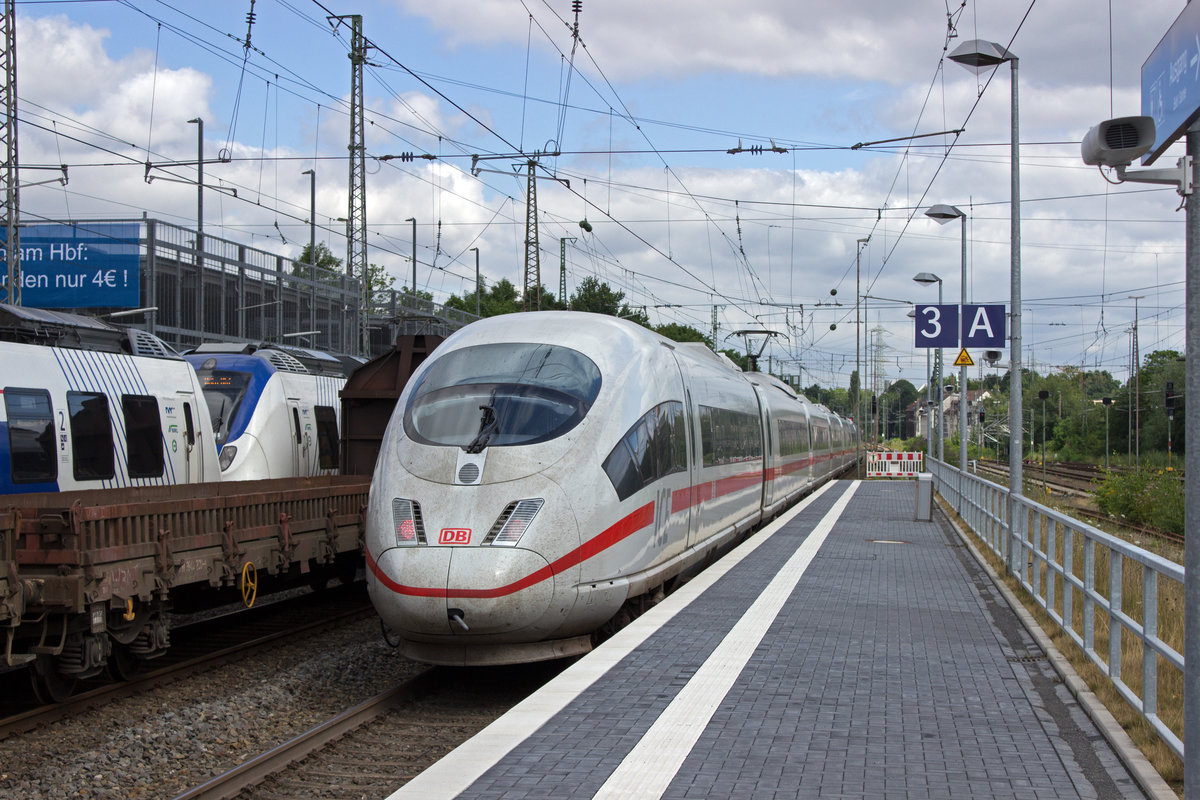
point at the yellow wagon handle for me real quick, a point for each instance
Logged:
(129, 614)
(249, 584)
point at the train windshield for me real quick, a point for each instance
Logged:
(223, 391)
(499, 395)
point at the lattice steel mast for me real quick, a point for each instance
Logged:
(356, 217)
(533, 265)
(11, 194)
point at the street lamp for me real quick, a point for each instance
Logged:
(978, 55)
(312, 242)
(199, 123)
(942, 214)
(1042, 395)
(476, 249)
(857, 351)
(927, 278)
(1107, 401)
(413, 220)
(312, 216)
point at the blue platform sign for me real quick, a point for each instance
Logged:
(937, 326)
(983, 326)
(1171, 81)
(87, 265)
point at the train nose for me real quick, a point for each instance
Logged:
(487, 590)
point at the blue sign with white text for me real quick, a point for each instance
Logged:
(983, 326)
(86, 265)
(937, 326)
(1171, 81)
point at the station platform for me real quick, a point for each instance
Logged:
(844, 651)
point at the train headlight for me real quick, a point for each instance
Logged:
(228, 453)
(512, 524)
(410, 528)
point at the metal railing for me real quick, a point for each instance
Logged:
(1122, 605)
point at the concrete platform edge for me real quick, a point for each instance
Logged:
(1131, 756)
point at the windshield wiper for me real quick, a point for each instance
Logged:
(488, 423)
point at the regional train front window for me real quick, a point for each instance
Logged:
(499, 395)
(223, 391)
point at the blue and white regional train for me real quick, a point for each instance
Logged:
(542, 471)
(88, 405)
(275, 410)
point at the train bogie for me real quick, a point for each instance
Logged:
(538, 475)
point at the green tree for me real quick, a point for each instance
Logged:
(329, 271)
(682, 333)
(325, 260)
(596, 296)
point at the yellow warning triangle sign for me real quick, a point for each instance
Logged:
(964, 359)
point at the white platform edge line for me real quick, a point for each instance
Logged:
(461, 767)
(649, 768)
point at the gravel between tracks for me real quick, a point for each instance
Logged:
(174, 737)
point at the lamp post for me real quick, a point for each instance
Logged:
(942, 214)
(857, 350)
(1136, 403)
(476, 249)
(312, 216)
(199, 123)
(1042, 395)
(928, 278)
(312, 243)
(413, 220)
(1107, 402)
(978, 55)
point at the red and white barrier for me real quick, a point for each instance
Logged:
(894, 465)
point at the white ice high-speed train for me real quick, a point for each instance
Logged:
(275, 410)
(543, 470)
(89, 405)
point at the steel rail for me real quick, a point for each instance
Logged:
(250, 773)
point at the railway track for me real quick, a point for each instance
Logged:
(1078, 481)
(200, 646)
(377, 746)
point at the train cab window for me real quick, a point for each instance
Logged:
(143, 436)
(501, 395)
(327, 437)
(91, 436)
(31, 435)
(654, 447)
(223, 391)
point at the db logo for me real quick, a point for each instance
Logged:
(454, 536)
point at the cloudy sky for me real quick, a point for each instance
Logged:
(643, 109)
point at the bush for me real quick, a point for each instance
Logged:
(1145, 497)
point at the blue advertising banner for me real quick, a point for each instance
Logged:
(88, 265)
(937, 326)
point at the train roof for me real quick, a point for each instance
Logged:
(42, 326)
(286, 358)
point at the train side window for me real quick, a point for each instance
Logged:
(621, 471)
(91, 436)
(296, 424)
(327, 437)
(143, 436)
(653, 447)
(31, 435)
(729, 436)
